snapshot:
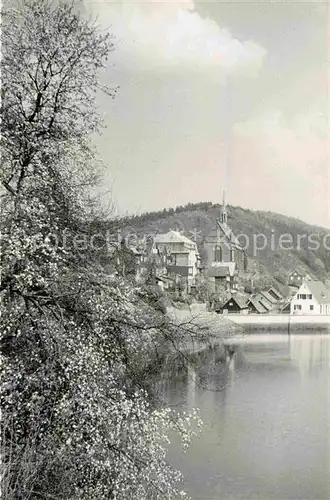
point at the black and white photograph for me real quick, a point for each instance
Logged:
(165, 250)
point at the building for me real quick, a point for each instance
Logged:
(266, 300)
(271, 298)
(286, 307)
(234, 305)
(273, 292)
(257, 306)
(313, 297)
(295, 278)
(182, 255)
(223, 277)
(224, 255)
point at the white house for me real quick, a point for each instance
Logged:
(313, 297)
(183, 255)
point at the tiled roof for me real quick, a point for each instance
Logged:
(240, 301)
(295, 271)
(229, 235)
(258, 305)
(265, 304)
(228, 238)
(320, 292)
(221, 269)
(276, 292)
(264, 301)
(173, 237)
(269, 297)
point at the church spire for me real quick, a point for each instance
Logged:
(223, 212)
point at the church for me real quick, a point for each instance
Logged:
(224, 255)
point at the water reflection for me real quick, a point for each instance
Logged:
(310, 352)
(191, 387)
(266, 417)
(305, 352)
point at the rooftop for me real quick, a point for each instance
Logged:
(240, 301)
(173, 237)
(275, 292)
(229, 235)
(222, 269)
(259, 306)
(319, 291)
(269, 297)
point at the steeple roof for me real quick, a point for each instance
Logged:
(223, 210)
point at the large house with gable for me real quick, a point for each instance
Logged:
(313, 297)
(224, 255)
(182, 256)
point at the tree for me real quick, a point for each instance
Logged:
(77, 347)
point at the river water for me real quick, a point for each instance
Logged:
(266, 416)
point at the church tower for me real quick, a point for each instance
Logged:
(223, 211)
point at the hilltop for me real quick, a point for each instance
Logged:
(287, 242)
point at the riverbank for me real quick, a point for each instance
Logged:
(219, 326)
(211, 328)
(282, 322)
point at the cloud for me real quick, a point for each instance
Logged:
(172, 34)
(292, 160)
(265, 165)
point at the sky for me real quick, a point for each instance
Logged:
(217, 95)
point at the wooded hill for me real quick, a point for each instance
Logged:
(285, 243)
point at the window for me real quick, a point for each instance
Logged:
(297, 307)
(217, 254)
(190, 271)
(311, 308)
(302, 296)
(310, 296)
